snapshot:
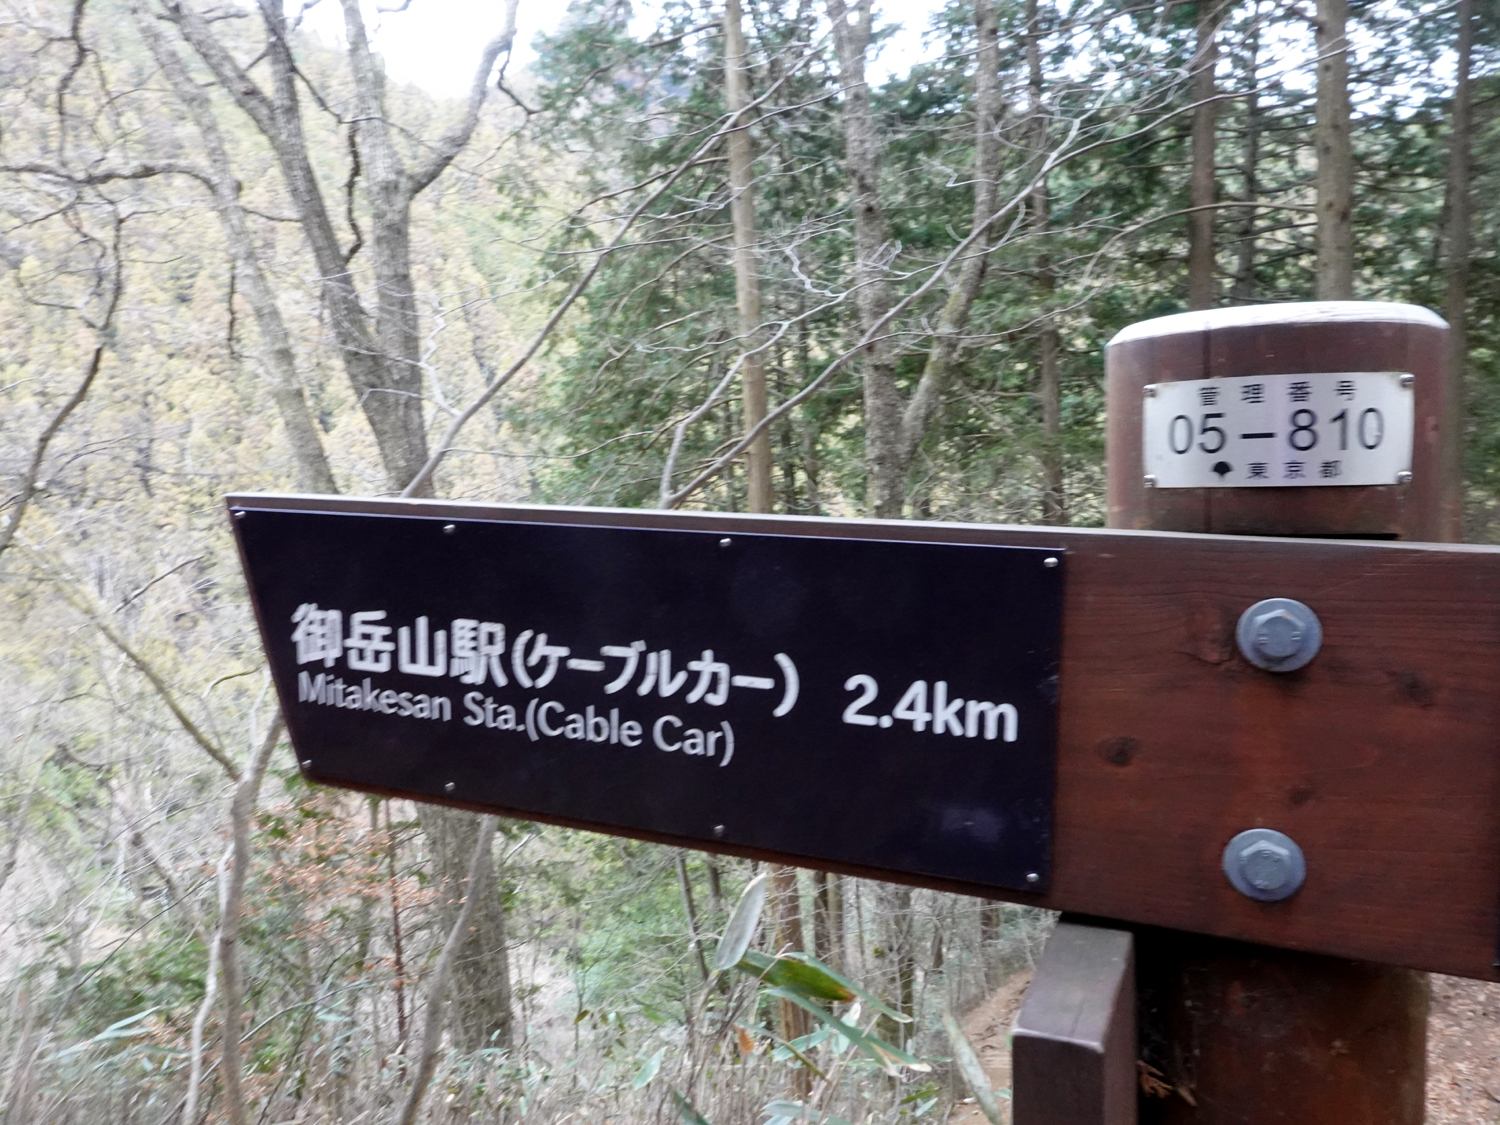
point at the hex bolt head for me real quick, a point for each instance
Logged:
(1265, 865)
(1279, 634)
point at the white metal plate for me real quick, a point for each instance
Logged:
(1280, 431)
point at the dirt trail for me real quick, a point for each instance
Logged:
(988, 1029)
(1463, 1049)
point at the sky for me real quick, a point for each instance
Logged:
(435, 44)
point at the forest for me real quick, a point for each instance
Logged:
(698, 254)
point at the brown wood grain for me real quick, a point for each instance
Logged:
(1246, 1033)
(1379, 758)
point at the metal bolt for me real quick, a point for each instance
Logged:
(1408, 380)
(1033, 877)
(1279, 634)
(1403, 477)
(1149, 480)
(719, 831)
(449, 787)
(239, 515)
(725, 542)
(1149, 390)
(449, 528)
(1265, 865)
(1049, 562)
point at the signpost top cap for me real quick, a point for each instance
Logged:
(1293, 312)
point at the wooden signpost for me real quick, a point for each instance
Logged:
(1337, 420)
(1090, 733)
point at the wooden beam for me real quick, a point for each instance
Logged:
(1074, 1046)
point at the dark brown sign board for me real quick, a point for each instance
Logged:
(1380, 758)
(875, 702)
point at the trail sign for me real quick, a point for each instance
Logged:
(839, 700)
(1377, 757)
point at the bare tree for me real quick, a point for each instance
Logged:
(1460, 138)
(746, 254)
(481, 962)
(379, 339)
(1335, 154)
(1202, 188)
(475, 887)
(1049, 344)
(895, 424)
(277, 356)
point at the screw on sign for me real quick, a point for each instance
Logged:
(1279, 634)
(1264, 864)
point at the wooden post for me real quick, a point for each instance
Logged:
(1074, 1046)
(1243, 1033)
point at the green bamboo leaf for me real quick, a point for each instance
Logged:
(790, 1111)
(741, 926)
(648, 1070)
(886, 1054)
(799, 1052)
(874, 1001)
(796, 971)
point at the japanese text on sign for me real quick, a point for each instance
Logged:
(474, 653)
(1282, 431)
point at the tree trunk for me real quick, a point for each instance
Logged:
(1456, 302)
(1460, 175)
(991, 922)
(473, 890)
(894, 427)
(885, 472)
(690, 911)
(746, 258)
(241, 809)
(380, 359)
(1335, 178)
(1049, 382)
(1243, 291)
(792, 1021)
(1202, 191)
(828, 919)
(313, 473)
(899, 925)
(481, 1015)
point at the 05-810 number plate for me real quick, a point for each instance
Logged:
(1280, 431)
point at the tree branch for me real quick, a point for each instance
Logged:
(453, 142)
(240, 810)
(437, 1000)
